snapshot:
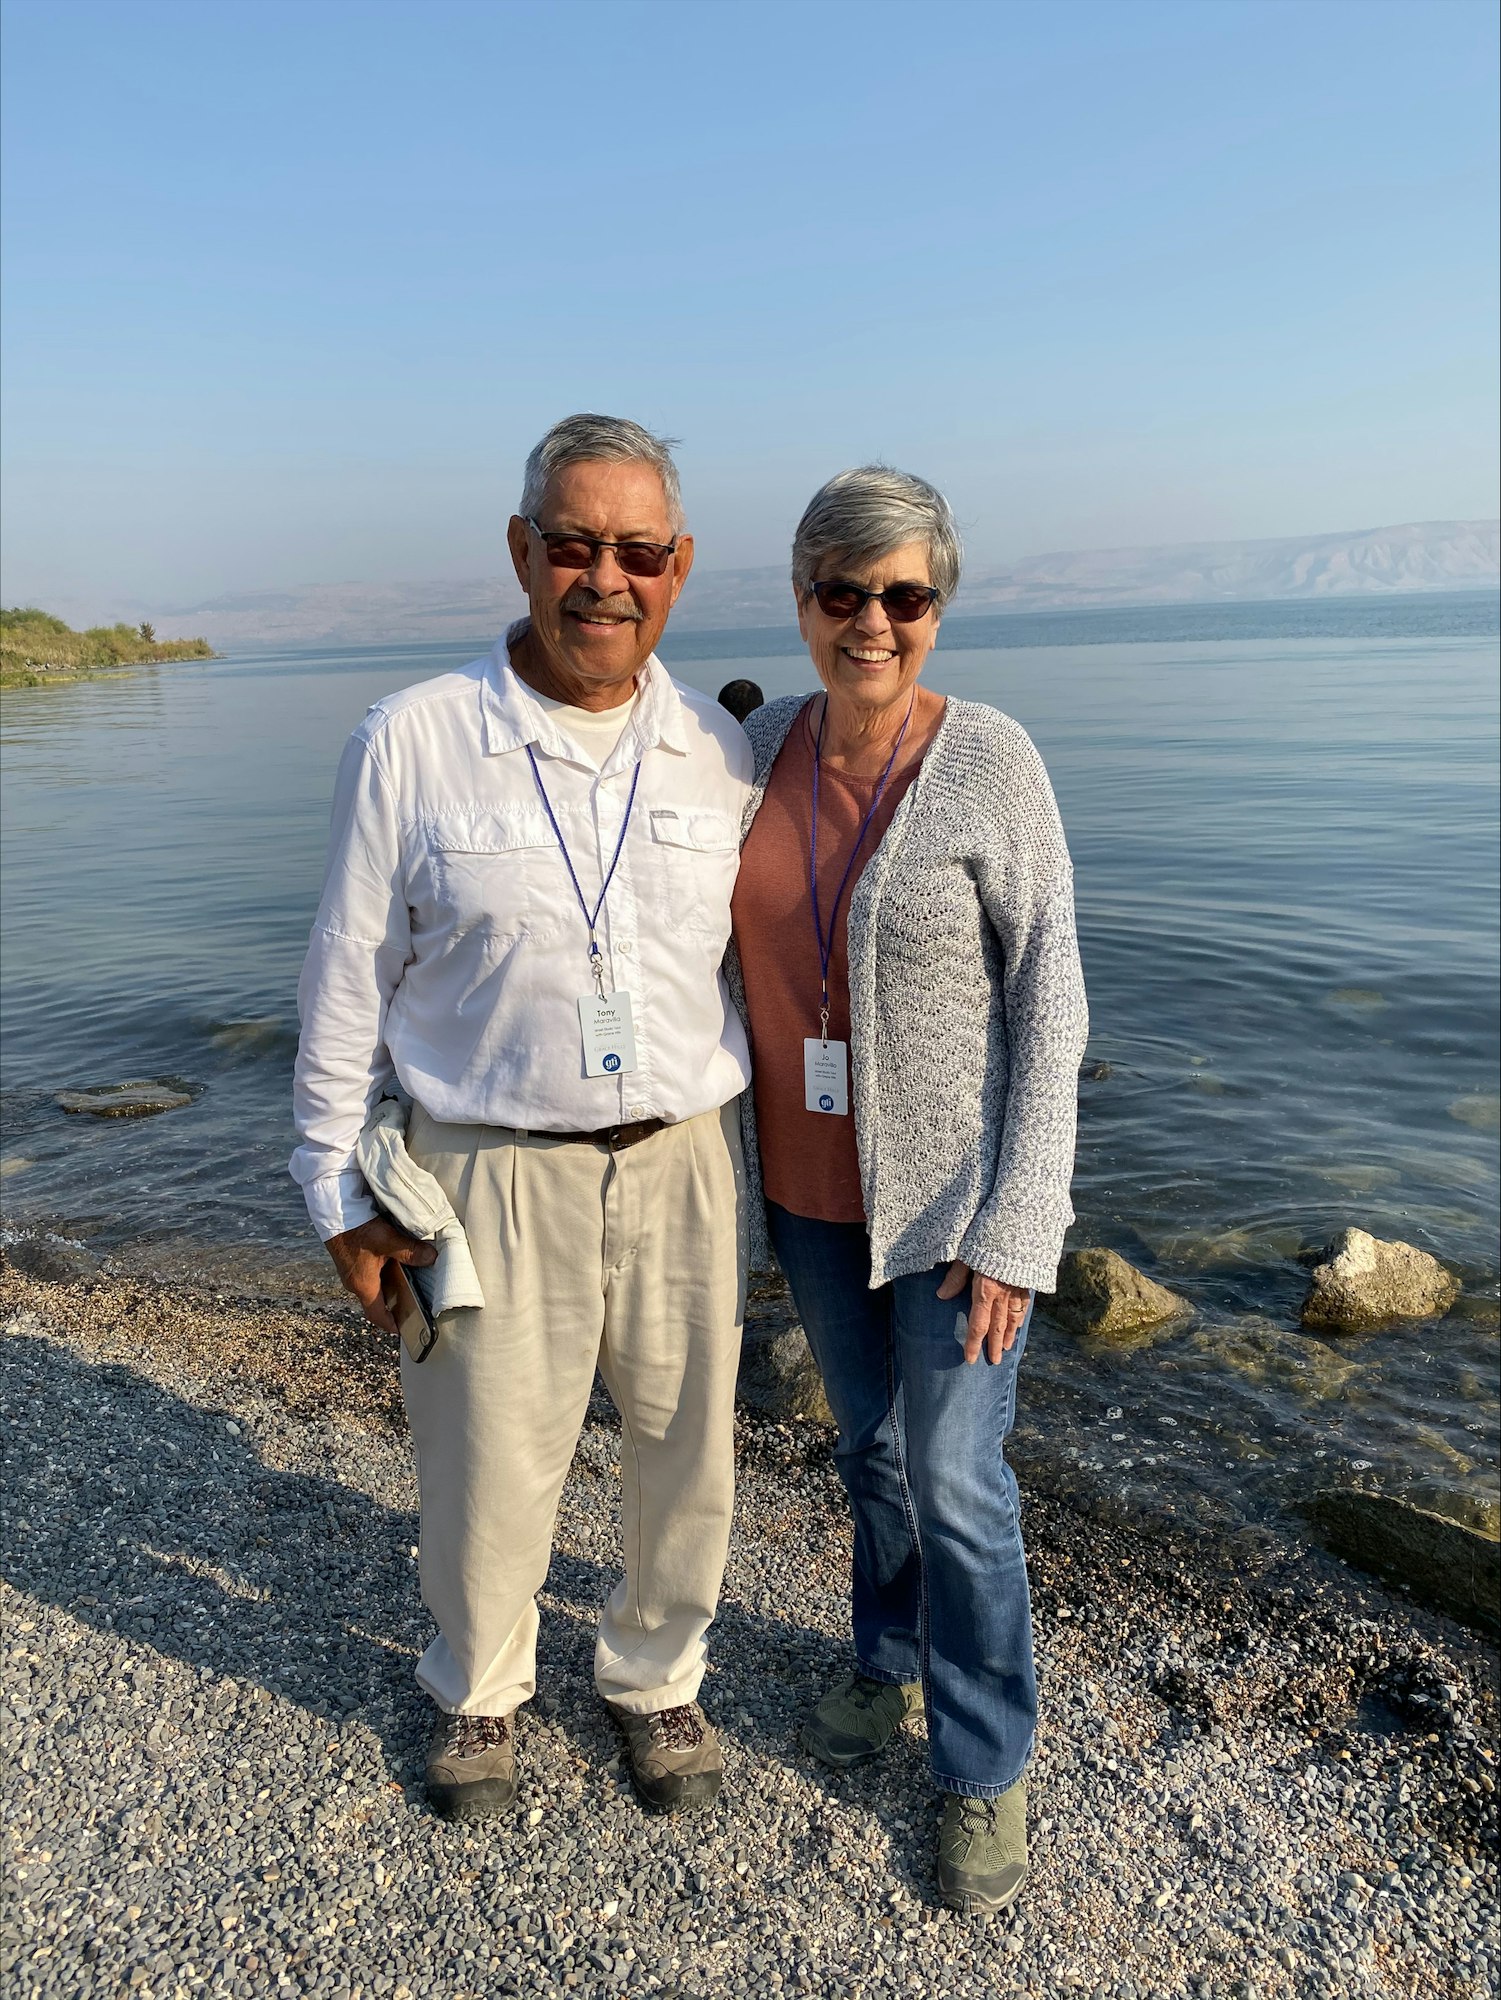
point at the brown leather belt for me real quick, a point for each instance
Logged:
(616, 1137)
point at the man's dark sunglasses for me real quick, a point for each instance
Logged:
(903, 603)
(582, 552)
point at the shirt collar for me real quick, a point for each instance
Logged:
(513, 717)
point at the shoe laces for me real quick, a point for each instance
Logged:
(977, 1816)
(676, 1728)
(473, 1735)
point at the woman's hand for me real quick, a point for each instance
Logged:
(996, 1311)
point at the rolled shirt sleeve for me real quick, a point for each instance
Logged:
(359, 947)
(1017, 1235)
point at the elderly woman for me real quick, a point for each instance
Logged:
(905, 936)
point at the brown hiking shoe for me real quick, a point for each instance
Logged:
(675, 1759)
(471, 1766)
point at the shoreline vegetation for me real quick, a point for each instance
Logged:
(37, 649)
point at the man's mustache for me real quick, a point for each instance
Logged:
(589, 605)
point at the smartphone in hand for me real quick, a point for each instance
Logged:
(406, 1295)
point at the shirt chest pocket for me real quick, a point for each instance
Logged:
(494, 870)
(696, 855)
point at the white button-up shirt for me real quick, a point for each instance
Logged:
(450, 952)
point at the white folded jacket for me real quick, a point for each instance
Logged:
(413, 1199)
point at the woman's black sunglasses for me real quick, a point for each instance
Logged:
(582, 552)
(903, 603)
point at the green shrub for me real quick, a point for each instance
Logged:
(35, 647)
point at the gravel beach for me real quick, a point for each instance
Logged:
(1257, 1774)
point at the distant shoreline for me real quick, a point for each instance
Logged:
(1187, 621)
(40, 674)
(37, 649)
(1192, 621)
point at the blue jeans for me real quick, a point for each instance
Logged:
(940, 1580)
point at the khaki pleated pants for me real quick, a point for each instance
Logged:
(632, 1262)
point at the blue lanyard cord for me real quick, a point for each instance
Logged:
(591, 918)
(826, 944)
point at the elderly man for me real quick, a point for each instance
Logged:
(527, 901)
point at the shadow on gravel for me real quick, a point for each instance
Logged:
(152, 1519)
(156, 1521)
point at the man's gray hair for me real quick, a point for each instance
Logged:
(863, 514)
(588, 436)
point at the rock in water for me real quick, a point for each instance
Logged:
(1100, 1293)
(54, 1258)
(141, 1099)
(1268, 1355)
(1455, 1568)
(1363, 1281)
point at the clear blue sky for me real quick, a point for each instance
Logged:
(291, 285)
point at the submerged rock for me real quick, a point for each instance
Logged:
(1100, 1293)
(1483, 1113)
(1446, 1564)
(263, 1035)
(1364, 1281)
(1475, 1508)
(1360, 999)
(1212, 1250)
(143, 1098)
(55, 1258)
(1479, 1310)
(1268, 1355)
(1359, 1177)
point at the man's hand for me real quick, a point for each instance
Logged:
(361, 1256)
(996, 1311)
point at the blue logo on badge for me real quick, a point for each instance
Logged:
(611, 1064)
(826, 1103)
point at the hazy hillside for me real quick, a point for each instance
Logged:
(377, 614)
(1429, 555)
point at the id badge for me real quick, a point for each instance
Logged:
(826, 1077)
(609, 1034)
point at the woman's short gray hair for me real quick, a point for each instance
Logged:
(863, 514)
(589, 436)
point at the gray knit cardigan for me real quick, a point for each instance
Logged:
(966, 1009)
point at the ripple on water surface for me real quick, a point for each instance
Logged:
(1284, 831)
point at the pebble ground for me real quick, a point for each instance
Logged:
(1256, 1776)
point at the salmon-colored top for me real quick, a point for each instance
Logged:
(808, 1160)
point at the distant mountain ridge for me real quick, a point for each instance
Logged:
(1417, 556)
(1420, 556)
(1426, 555)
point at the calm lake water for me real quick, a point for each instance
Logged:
(1284, 825)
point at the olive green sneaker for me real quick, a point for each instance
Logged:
(676, 1761)
(982, 1851)
(471, 1766)
(856, 1720)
